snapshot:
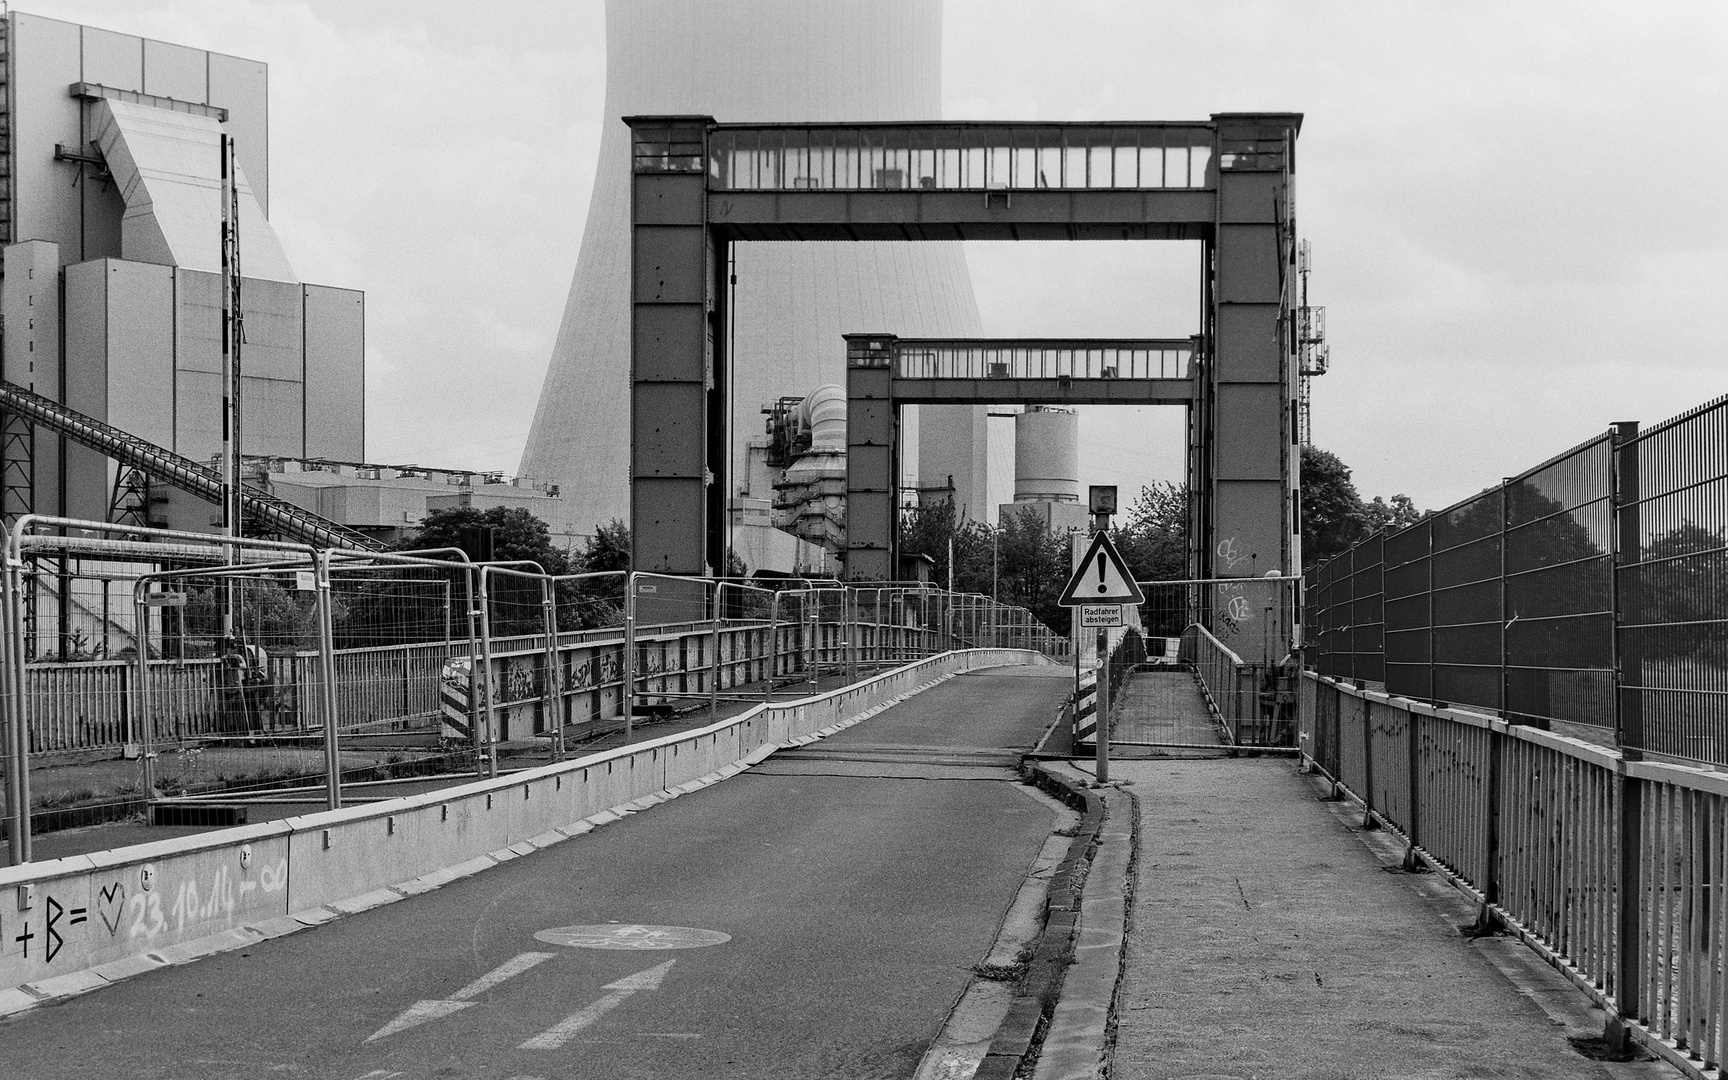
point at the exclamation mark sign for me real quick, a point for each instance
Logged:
(1101, 586)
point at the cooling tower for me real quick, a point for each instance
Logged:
(741, 61)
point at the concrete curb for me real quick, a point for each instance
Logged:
(1061, 1016)
(1083, 1023)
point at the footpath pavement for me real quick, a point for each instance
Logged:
(1164, 706)
(1270, 937)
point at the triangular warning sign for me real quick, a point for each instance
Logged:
(1101, 578)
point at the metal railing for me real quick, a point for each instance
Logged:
(1611, 866)
(921, 358)
(950, 157)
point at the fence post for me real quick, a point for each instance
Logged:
(475, 630)
(773, 646)
(327, 658)
(627, 693)
(811, 623)
(1413, 752)
(1368, 821)
(1491, 829)
(554, 673)
(1628, 658)
(17, 736)
(1505, 625)
(849, 609)
(1629, 734)
(143, 724)
(481, 683)
(714, 655)
(1102, 720)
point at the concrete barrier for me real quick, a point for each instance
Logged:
(75, 924)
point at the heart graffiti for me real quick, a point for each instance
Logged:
(110, 902)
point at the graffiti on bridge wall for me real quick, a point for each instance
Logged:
(75, 923)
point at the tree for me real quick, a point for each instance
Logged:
(514, 602)
(1396, 514)
(929, 529)
(1332, 514)
(1154, 542)
(1032, 566)
(607, 549)
(516, 535)
(596, 602)
(1684, 594)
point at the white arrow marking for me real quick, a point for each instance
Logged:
(560, 1033)
(422, 1011)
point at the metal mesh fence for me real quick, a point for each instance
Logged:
(1591, 590)
(1672, 580)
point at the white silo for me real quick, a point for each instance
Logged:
(1047, 468)
(747, 61)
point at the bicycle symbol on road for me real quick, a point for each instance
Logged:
(634, 936)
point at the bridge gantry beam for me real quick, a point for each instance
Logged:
(698, 185)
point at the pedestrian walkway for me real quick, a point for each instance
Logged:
(1164, 707)
(1270, 937)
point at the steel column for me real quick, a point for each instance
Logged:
(677, 423)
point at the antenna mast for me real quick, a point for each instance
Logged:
(1311, 349)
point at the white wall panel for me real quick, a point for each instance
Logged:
(274, 347)
(44, 57)
(197, 413)
(273, 412)
(175, 71)
(197, 364)
(29, 309)
(336, 373)
(242, 87)
(141, 349)
(112, 59)
(199, 329)
(273, 365)
(86, 471)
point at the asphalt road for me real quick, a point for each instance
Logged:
(856, 886)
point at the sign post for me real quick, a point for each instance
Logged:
(1100, 587)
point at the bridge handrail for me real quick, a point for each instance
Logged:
(1475, 796)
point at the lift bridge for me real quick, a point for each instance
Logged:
(1226, 183)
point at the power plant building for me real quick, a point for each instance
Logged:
(767, 61)
(110, 213)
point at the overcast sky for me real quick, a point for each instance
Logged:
(1517, 210)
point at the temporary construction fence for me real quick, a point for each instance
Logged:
(227, 661)
(1612, 866)
(1236, 634)
(1591, 591)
